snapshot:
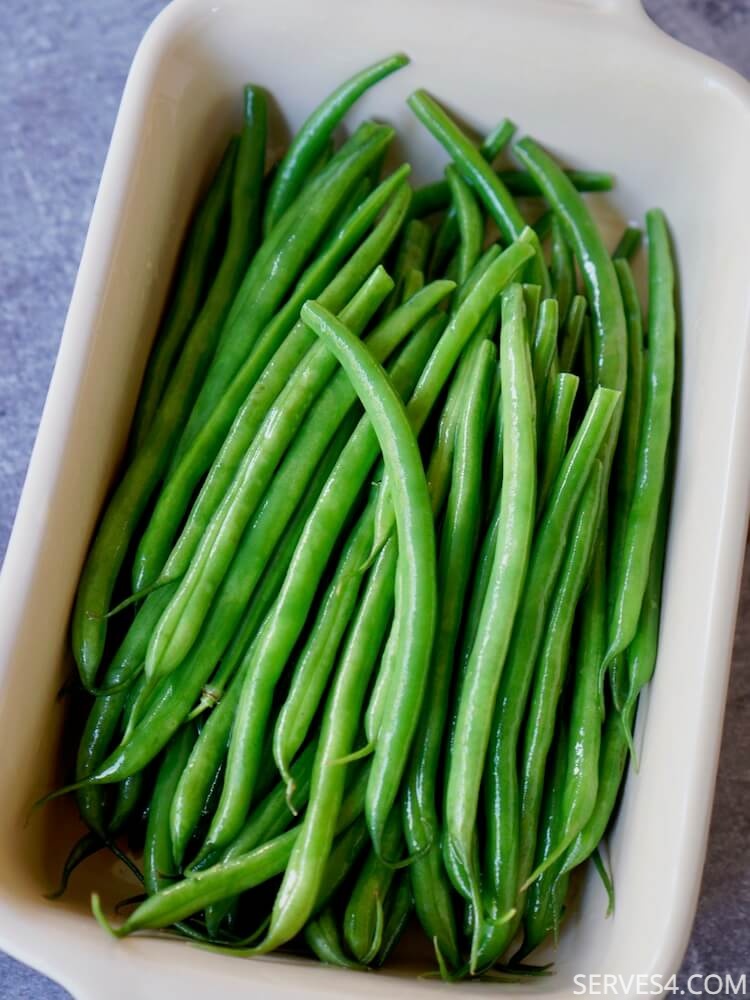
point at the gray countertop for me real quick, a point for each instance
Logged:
(62, 71)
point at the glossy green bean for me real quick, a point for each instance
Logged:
(220, 444)
(544, 350)
(270, 818)
(363, 919)
(571, 333)
(276, 266)
(159, 866)
(633, 566)
(189, 287)
(628, 243)
(470, 222)
(597, 269)
(462, 326)
(540, 914)
(483, 670)
(307, 865)
(313, 550)
(181, 621)
(322, 938)
(315, 133)
(125, 508)
(398, 908)
(436, 196)
(509, 711)
(317, 658)
(416, 571)
(562, 270)
(554, 434)
(641, 654)
(551, 668)
(458, 541)
(495, 196)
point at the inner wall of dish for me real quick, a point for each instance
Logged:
(643, 127)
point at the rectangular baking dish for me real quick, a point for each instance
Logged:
(603, 88)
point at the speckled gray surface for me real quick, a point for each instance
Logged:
(61, 75)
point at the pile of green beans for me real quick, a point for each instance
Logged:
(363, 627)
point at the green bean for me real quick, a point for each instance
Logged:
(543, 225)
(497, 139)
(189, 287)
(629, 243)
(277, 265)
(270, 818)
(326, 415)
(462, 326)
(302, 878)
(315, 133)
(551, 668)
(458, 540)
(412, 255)
(183, 617)
(540, 910)
(364, 913)
(480, 682)
(582, 778)
(544, 349)
(562, 270)
(159, 867)
(129, 500)
(308, 564)
(182, 899)
(612, 759)
(232, 425)
(322, 938)
(436, 197)
(470, 222)
(316, 660)
(641, 654)
(306, 869)
(398, 906)
(275, 570)
(532, 297)
(128, 796)
(416, 584)
(597, 270)
(413, 283)
(85, 847)
(554, 435)
(509, 709)
(571, 335)
(633, 565)
(493, 193)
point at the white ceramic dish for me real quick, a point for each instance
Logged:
(598, 83)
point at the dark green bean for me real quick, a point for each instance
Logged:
(189, 287)
(633, 565)
(479, 684)
(306, 147)
(551, 668)
(159, 867)
(629, 243)
(436, 197)
(501, 776)
(364, 915)
(220, 444)
(322, 938)
(572, 329)
(313, 550)
(398, 907)
(493, 193)
(458, 540)
(554, 434)
(124, 510)
(562, 270)
(181, 621)
(470, 222)
(277, 265)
